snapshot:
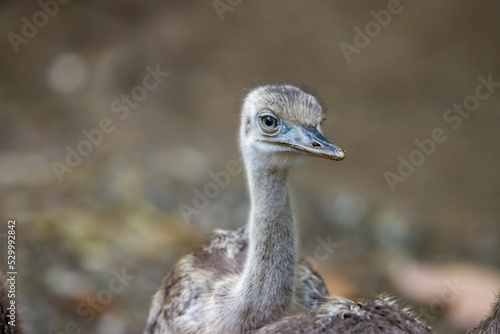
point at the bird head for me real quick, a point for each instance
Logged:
(281, 123)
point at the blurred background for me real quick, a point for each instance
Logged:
(99, 223)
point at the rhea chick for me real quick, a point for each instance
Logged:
(242, 280)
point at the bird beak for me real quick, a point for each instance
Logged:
(310, 141)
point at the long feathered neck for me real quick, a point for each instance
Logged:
(267, 285)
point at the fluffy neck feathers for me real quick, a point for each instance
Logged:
(267, 286)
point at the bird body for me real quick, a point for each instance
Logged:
(188, 293)
(381, 315)
(240, 281)
(252, 280)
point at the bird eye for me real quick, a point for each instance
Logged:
(269, 124)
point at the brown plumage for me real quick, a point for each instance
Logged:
(342, 316)
(186, 285)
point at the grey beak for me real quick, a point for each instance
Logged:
(310, 141)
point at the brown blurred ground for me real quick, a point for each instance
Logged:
(119, 208)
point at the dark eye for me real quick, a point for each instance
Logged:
(269, 124)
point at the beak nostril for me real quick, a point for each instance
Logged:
(316, 144)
